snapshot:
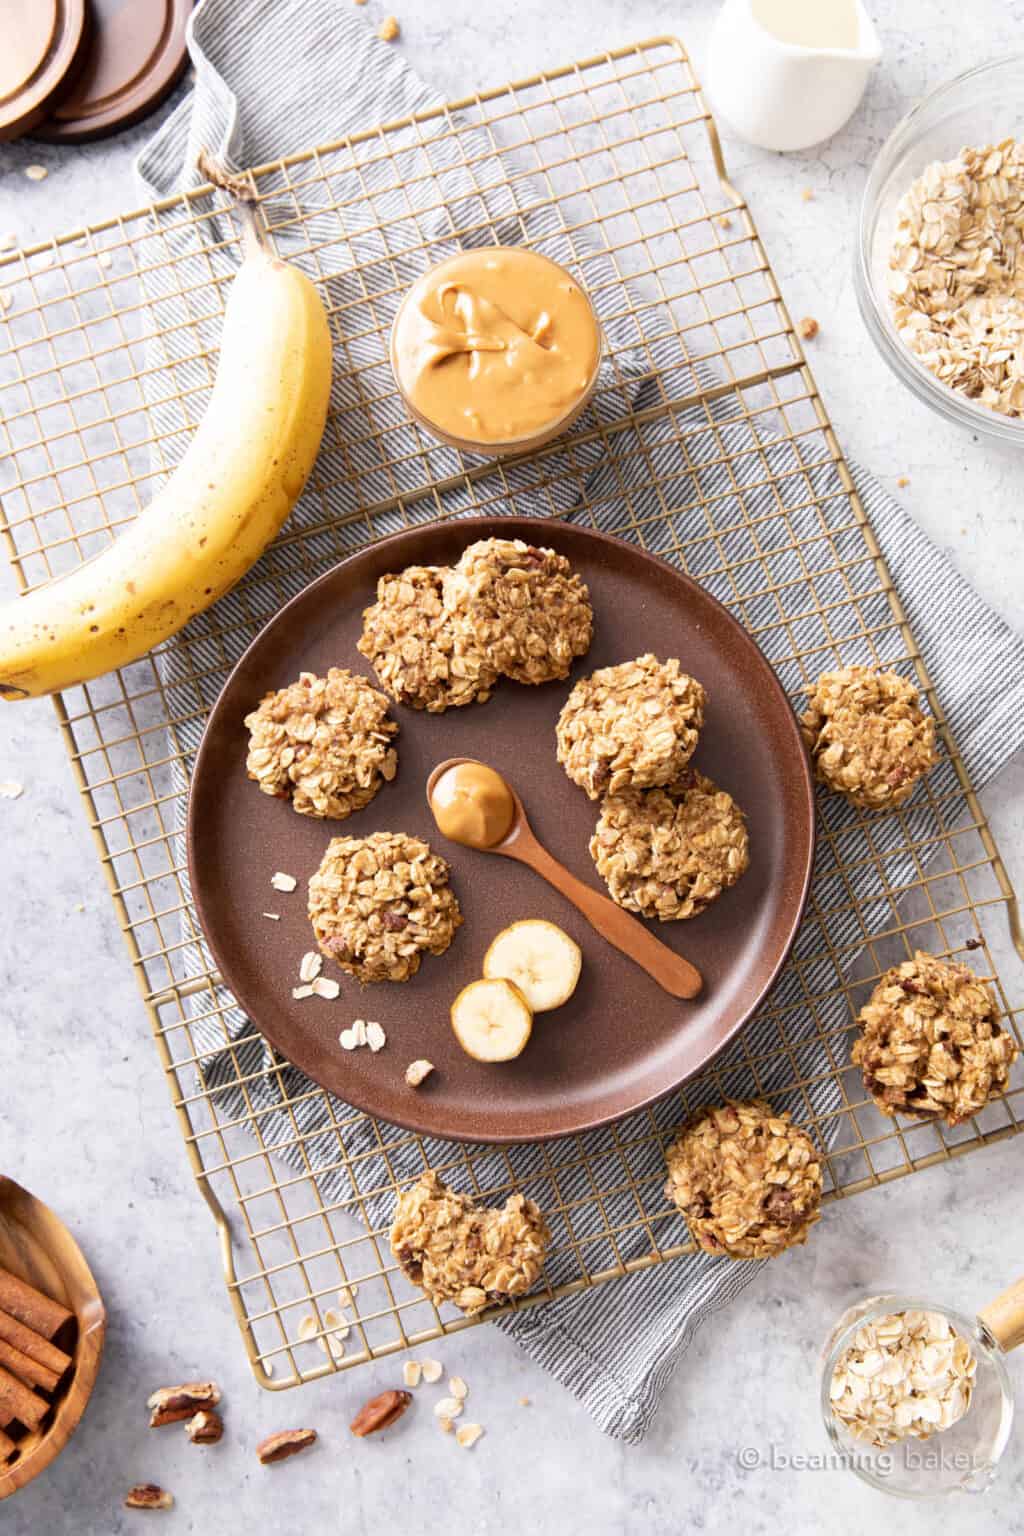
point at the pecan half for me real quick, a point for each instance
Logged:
(168, 1405)
(205, 1427)
(380, 1412)
(287, 1442)
(148, 1496)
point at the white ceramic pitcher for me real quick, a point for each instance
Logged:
(781, 95)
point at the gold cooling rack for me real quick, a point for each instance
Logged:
(618, 156)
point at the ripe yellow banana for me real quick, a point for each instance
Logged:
(229, 496)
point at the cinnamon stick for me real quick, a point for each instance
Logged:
(33, 1344)
(31, 1307)
(26, 1369)
(19, 1402)
(7, 1447)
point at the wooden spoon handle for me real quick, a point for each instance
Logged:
(668, 969)
(1004, 1317)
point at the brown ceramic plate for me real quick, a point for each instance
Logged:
(620, 1042)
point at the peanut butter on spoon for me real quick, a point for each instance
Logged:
(473, 805)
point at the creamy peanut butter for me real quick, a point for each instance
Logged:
(496, 347)
(472, 805)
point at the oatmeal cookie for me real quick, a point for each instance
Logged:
(632, 726)
(323, 742)
(930, 1042)
(670, 852)
(747, 1180)
(459, 1251)
(523, 606)
(421, 655)
(868, 736)
(376, 903)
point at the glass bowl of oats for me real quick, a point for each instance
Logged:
(916, 1399)
(939, 271)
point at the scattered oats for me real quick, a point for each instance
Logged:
(308, 1327)
(808, 194)
(412, 1371)
(446, 1425)
(458, 1389)
(336, 1323)
(10, 789)
(359, 2)
(468, 1434)
(105, 259)
(347, 1039)
(347, 1294)
(300, 992)
(448, 1408)
(79, 906)
(725, 221)
(8, 242)
(268, 1367)
(432, 1370)
(417, 1071)
(359, 1026)
(311, 966)
(376, 1039)
(282, 882)
(36, 172)
(275, 917)
(388, 29)
(6, 299)
(333, 1342)
(524, 1402)
(326, 986)
(808, 328)
(903, 480)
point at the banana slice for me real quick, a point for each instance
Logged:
(491, 1020)
(542, 961)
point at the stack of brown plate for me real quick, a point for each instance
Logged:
(72, 70)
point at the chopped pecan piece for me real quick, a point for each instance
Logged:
(287, 1442)
(148, 1496)
(205, 1428)
(380, 1412)
(168, 1405)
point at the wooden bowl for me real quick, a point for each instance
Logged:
(38, 1248)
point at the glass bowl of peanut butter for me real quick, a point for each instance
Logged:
(496, 350)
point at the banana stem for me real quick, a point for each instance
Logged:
(254, 233)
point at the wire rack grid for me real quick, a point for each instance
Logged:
(706, 413)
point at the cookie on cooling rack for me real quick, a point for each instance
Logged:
(867, 735)
(931, 1043)
(473, 1255)
(747, 1180)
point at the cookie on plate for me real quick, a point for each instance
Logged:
(456, 1250)
(324, 743)
(747, 1180)
(930, 1041)
(867, 735)
(525, 609)
(631, 726)
(670, 852)
(421, 655)
(378, 903)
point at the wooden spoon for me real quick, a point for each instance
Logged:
(626, 933)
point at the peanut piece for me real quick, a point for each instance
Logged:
(168, 1405)
(148, 1496)
(380, 1412)
(287, 1442)
(205, 1428)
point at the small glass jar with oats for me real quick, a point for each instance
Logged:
(916, 1398)
(939, 271)
(496, 350)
